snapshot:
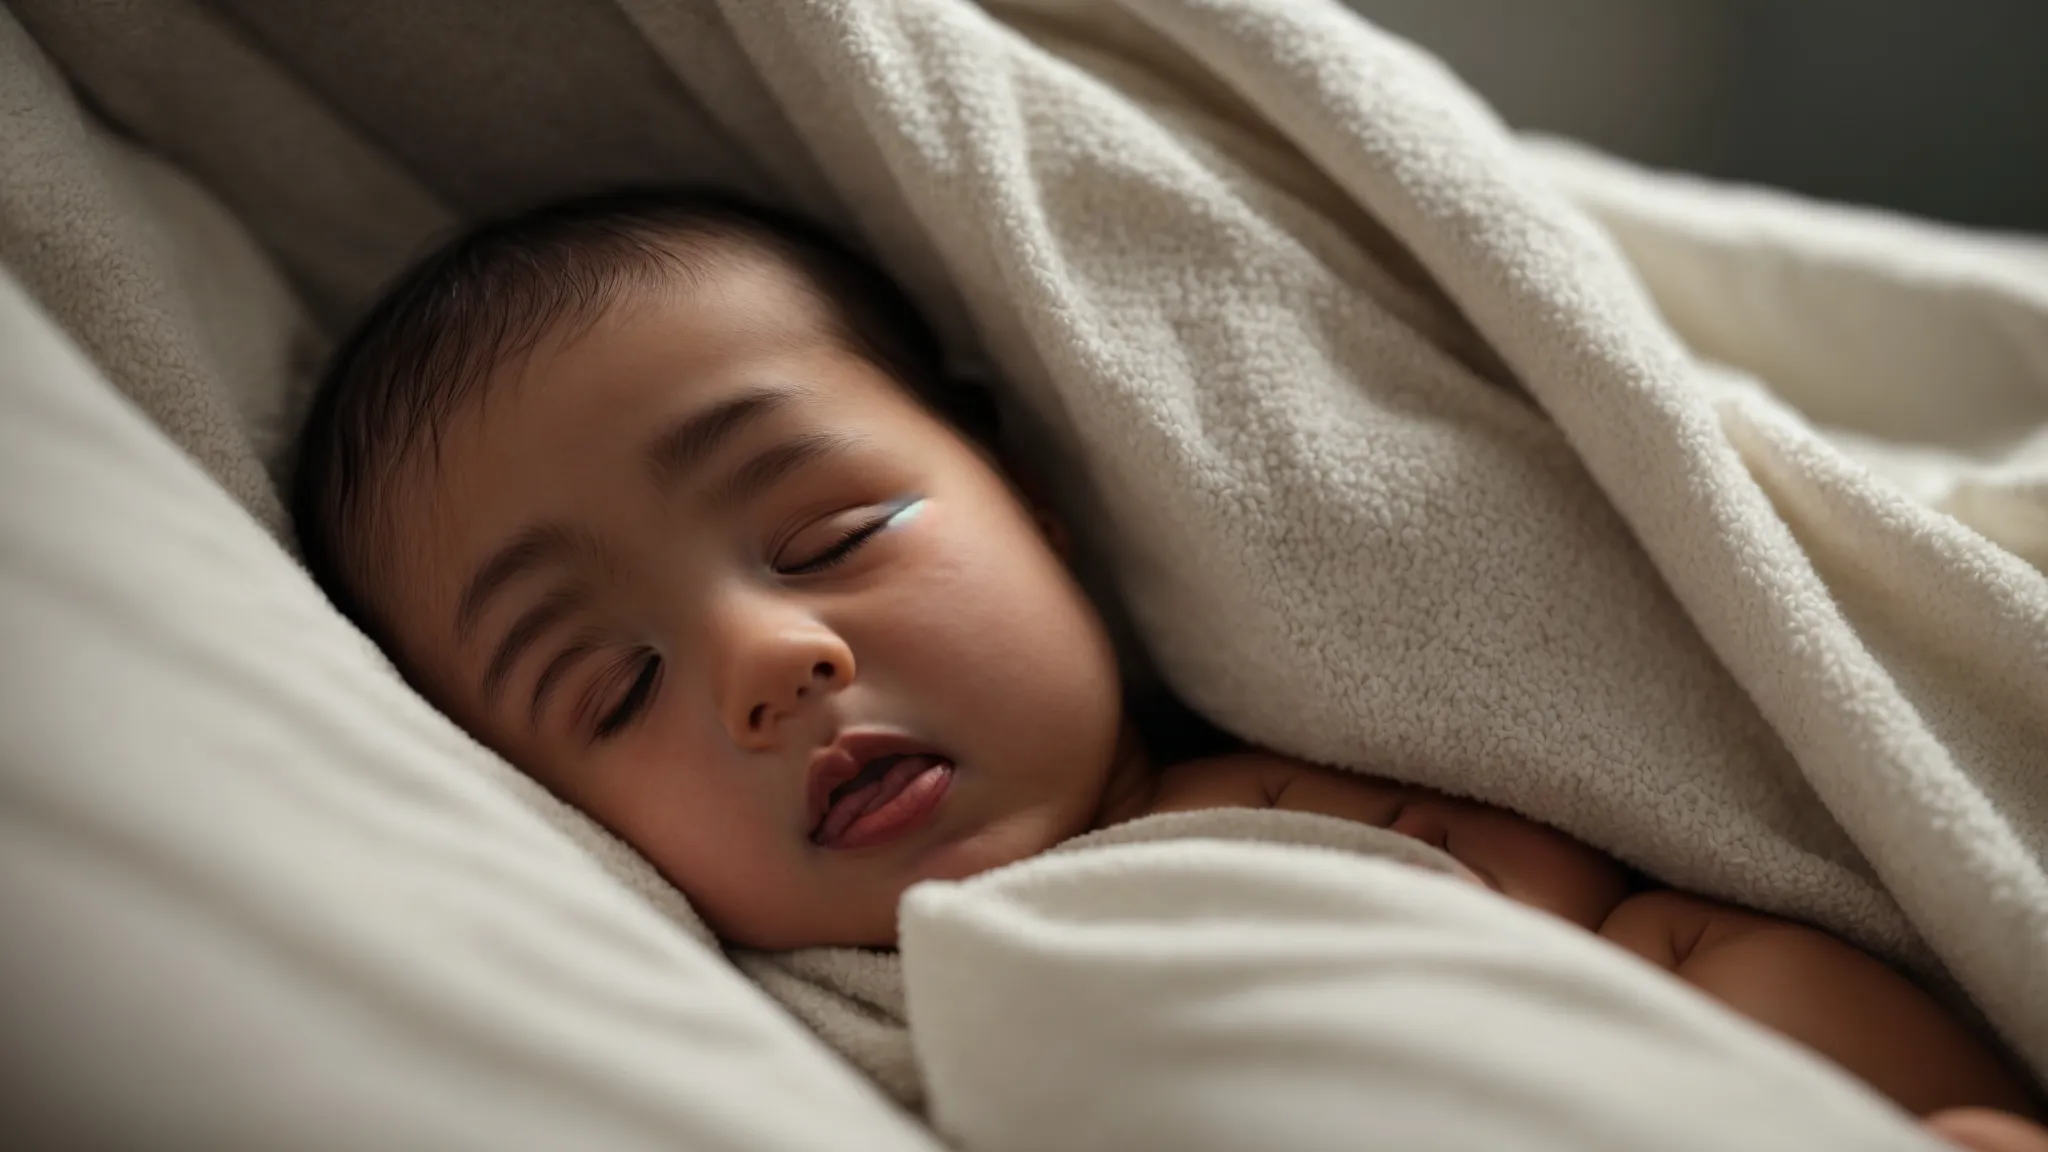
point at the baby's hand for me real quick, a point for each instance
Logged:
(1835, 999)
(1984, 1130)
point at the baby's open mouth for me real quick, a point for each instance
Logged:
(890, 795)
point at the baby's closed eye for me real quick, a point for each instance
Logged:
(826, 543)
(640, 674)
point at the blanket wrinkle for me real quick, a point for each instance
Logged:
(1271, 294)
(72, 233)
(1213, 993)
(331, 206)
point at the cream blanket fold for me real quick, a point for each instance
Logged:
(1399, 456)
(1186, 982)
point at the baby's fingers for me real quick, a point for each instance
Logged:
(1985, 1130)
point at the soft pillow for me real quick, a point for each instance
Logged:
(261, 895)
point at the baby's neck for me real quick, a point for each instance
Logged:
(1128, 791)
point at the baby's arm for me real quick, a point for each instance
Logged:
(1263, 780)
(1796, 980)
(1809, 986)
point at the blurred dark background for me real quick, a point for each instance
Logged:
(1938, 109)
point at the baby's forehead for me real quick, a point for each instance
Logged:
(665, 351)
(745, 287)
(689, 331)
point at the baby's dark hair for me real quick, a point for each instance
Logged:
(488, 295)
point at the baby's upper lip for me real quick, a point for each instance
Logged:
(841, 760)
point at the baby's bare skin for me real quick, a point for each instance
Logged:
(1796, 980)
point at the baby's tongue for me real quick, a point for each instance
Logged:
(853, 803)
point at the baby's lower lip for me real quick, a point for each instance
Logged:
(901, 814)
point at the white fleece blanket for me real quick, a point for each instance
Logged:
(1411, 447)
(1228, 980)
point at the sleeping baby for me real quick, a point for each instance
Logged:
(663, 498)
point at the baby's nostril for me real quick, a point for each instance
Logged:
(822, 670)
(754, 717)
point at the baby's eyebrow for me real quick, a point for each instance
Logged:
(776, 461)
(687, 445)
(536, 547)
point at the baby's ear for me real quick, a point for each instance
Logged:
(1054, 530)
(1030, 487)
(1028, 482)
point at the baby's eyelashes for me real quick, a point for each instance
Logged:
(644, 666)
(835, 540)
(908, 512)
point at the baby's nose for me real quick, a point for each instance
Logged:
(784, 677)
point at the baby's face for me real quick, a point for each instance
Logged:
(694, 567)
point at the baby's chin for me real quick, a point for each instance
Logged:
(996, 844)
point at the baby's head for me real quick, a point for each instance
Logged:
(661, 497)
